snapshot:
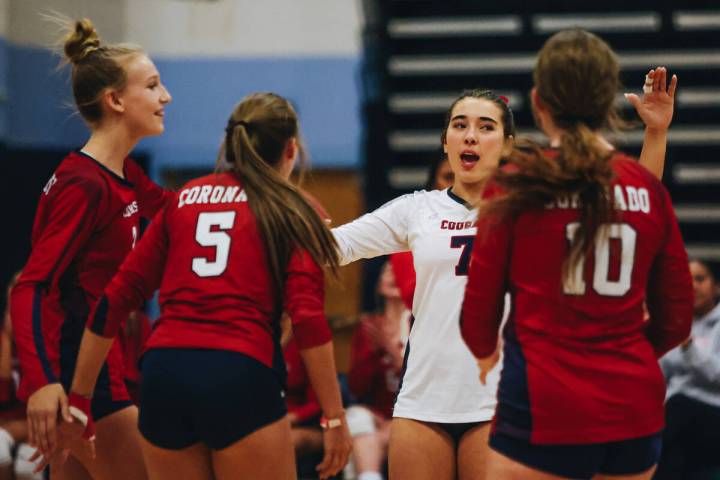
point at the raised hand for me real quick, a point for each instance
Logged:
(655, 108)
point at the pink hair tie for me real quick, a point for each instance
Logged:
(504, 99)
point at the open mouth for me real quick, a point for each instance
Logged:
(468, 160)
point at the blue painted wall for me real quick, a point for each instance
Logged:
(324, 90)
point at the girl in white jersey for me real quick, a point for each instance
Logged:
(441, 405)
(441, 417)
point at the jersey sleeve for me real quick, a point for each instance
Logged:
(305, 301)
(669, 290)
(135, 282)
(70, 214)
(380, 232)
(404, 271)
(484, 302)
(151, 196)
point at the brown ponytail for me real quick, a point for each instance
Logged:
(257, 134)
(576, 78)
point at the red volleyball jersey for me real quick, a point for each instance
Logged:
(86, 223)
(580, 363)
(372, 378)
(205, 253)
(404, 269)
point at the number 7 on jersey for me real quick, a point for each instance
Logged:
(466, 243)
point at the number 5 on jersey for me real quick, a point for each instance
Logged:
(211, 231)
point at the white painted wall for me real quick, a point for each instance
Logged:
(181, 29)
(246, 28)
(27, 27)
(4, 10)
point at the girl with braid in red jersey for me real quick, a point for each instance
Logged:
(580, 236)
(230, 254)
(87, 221)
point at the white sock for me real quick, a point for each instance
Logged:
(370, 476)
(6, 445)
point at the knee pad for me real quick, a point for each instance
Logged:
(360, 420)
(6, 445)
(23, 466)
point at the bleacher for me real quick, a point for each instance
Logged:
(421, 54)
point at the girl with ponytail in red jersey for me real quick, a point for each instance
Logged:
(230, 254)
(580, 236)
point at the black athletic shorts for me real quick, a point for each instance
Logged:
(214, 397)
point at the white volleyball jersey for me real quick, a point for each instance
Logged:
(441, 380)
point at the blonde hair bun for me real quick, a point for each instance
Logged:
(81, 41)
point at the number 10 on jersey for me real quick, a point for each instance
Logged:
(601, 283)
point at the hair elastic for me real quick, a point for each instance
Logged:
(232, 124)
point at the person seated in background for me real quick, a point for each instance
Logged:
(304, 410)
(376, 360)
(692, 371)
(13, 426)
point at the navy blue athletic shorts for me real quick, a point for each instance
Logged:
(214, 397)
(626, 457)
(458, 430)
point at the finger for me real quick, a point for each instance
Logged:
(324, 472)
(663, 80)
(335, 466)
(42, 464)
(330, 469)
(648, 85)
(656, 79)
(89, 447)
(322, 468)
(31, 430)
(325, 462)
(58, 459)
(673, 86)
(65, 409)
(633, 99)
(41, 435)
(35, 456)
(51, 423)
(483, 377)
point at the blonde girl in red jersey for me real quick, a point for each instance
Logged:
(87, 221)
